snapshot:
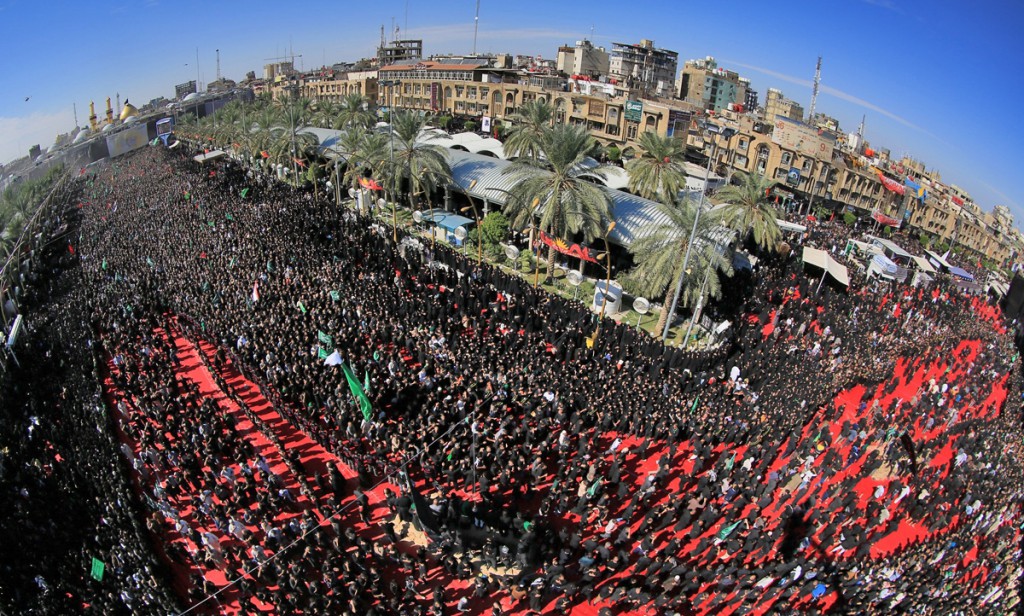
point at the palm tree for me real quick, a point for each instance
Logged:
(423, 166)
(354, 112)
(528, 127)
(659, 174)
(749, 211)
(566, 203)
(659, 256)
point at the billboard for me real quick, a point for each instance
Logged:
(595, 108)
(127, 140)
(803, 139)
(634, 109)
(678, 122)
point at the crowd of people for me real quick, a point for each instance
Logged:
(850, 450)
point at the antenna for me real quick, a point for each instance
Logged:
(814, 92)
(860, 129)
(476, 25)
(218, 65)
(407, 17)
(74, 108)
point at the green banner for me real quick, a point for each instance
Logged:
(97, 569)
(357, 391)
(301, 307)
(335, 296)
(321, 353)
(322, 337)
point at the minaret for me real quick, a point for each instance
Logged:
(92, 115)
(110, 112)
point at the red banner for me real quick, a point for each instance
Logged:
(890, 184)
(573, 250)
(885, 220)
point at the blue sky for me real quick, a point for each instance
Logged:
(937, 79)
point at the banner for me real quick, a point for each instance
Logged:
(97, 569)
(357, 392)
(560, 245)
(322, 337)
(890, 184)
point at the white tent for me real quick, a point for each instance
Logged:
(821, 259)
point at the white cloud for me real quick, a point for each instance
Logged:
(464, 32)
(850, 98)
(19, 133)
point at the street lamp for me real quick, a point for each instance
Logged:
(608, 265)
(710, 129)
(479, 231)
(533, 226)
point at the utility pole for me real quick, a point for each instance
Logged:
(476, 25)
(814, 91)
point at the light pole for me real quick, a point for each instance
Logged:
(711, 129)
(533, 227)
(479, 231)
(608, 265)
(700, 304)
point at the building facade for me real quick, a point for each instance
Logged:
(705, 84)
(776, 104)
(650, 70)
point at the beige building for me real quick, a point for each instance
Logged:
(777, 104)
(650, 70)
(706, 85)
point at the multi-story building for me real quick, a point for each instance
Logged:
(278, 70)
(331, 86)
(705, 84)
(750, 102)
(650, 70)
(778, 105)
(184, 89)
(399, 51)
(583, 59)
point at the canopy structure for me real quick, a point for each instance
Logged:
(961, 273)
(790, 227)
(939, 262)
(891, 249)
(820, 258)
(451, 222)
(923, 265)
(210, 156)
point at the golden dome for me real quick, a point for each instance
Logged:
(128, 111)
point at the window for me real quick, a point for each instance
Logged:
(787, 158)
(631, 131)
(740, 161)
(743, 144)
(807, 165)
(459, 91)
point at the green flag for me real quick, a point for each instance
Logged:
(149, 262)
(97, 569)
(322, 353)
(725, 532)
(233, 260)
(104, 264)
(229, 216)
(366, 381)
(245, 191)
(212, 224)
(357, 391)
(301, 307)
(322, 337)
(695, 401)
(335, 296)
(270, 266)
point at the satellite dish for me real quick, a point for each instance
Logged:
(574, 277)
(511, 252)
(381, 202)
(417, 216)
(641, 305)
(460, 233)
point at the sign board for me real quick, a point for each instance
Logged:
(485, 124)
(595, 108)
(435, 95)
(678, 122)
(634, 110)
(793, 177)
(802, 139)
